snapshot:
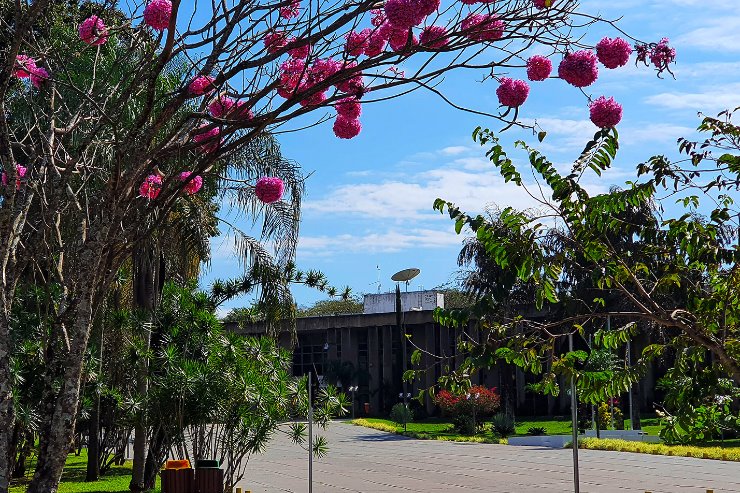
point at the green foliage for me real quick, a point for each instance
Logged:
(401, 414)
(503, 424)
(536, 431)
(350, 305)
(607, 418)
(609, 255)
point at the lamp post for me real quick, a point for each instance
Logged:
(353, 389)
(474, 398)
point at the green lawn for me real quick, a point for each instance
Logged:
(73, 479)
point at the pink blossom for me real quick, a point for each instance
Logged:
(300, 52)
(434, 37)
(291, 11)
(404, 14)
(543, 4)
(221, 106)
(39, 75)
(613, 53)
(24, 66)
(269, 189)
(347, 128)
(323, 68)
(203, 84)
(538, 68)
(150, 188)
(605, 113)
(483, 27)
(428, 7)
(512, 92)
(376, 43)
(157, 14)
(209, 139)
(579, 68)
(349, 108)
(20, 171)
(662, 55)
(314, 99)
(352, 85)
(193, 185)
(293, 73)
(357, 42)
(399, 40)
(275, 41)
(93, 31)
(378, 17)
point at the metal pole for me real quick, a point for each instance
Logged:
(629, 364)
(593, 414)
(310, 435)
(574, 415)
(611, 399)
(353, 403)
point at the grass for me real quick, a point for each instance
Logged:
(427, 430)
(699, 451)
(73, 478)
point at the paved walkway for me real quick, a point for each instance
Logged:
(362, 460)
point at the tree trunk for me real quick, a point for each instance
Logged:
(146, 287)
(7, 415)
(59, 433)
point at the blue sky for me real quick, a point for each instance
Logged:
(369, 200)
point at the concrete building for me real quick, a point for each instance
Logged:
(367, 349)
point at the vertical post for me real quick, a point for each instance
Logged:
(629, 365)
(353, 403)
(310, 434)
(574, 415)
(611, 399)
(593, 412)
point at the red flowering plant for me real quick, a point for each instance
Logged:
(467, 408)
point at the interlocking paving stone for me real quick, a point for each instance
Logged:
(362, 460)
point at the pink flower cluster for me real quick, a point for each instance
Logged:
(483, 27)
(157, 14)
(193, 185)
(434, 37)
(613, 53)
(405, 14)
(401, 39)
(226, 107)
(203, 84)
(512, 92)
(269, 189)
(292, 10)
(538, 68)
(275, 41)
(605, 113)
(25, 67)
(20, 171)
(300, 52)
(93, 31)
(579, 68)
(151, 187)
(357, 42)
(209, 139)
(662, 55)
(349, 108)
(543, 4)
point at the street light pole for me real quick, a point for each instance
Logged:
(574, 415)
(310, 435)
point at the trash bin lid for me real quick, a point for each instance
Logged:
(204, 463)
(177, 464)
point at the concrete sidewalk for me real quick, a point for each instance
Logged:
(362, 460)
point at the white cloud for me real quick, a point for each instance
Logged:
(712, 99)
(719, 34)
(392, 240)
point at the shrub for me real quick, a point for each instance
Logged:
(605, 417)
(401, 414)
(536, 431)
(503, 425)
(465, 425)
(486, 403)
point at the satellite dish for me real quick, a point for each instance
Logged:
(405, 275)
